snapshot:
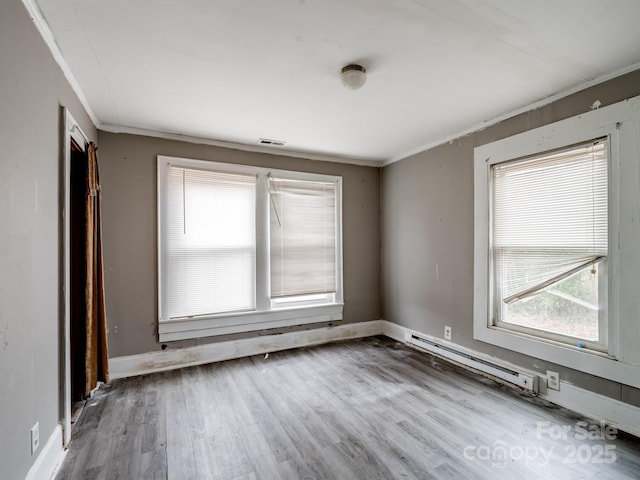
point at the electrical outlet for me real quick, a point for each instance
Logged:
(35, 437)
(553, 380)
(447, 332)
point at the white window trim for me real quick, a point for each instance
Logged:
(600, 345)
(267, 314)
(621, 123)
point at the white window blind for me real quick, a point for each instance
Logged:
(549, 218)
(210, 242)
(302, 237)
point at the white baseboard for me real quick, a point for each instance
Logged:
(50, 458)
(129, 366)
(613, 412)
(395, 331)
(402, 334)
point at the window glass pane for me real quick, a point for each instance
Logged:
(303, 237)
(210, 242)
(549, 230)
(570, 307)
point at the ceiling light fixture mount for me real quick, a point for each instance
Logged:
(353, 76)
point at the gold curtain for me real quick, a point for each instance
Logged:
(96, 355)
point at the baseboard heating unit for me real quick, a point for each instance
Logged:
(523, 380)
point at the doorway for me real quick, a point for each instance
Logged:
(74, 147)
(78, 275)
(84, 338)
(74, 260)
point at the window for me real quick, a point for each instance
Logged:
(556, 231)
(243, 248)
(303, 239)
(210, 242)
(549, 242)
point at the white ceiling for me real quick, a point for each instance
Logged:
(235, 71)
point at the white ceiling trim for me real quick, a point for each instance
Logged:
(540, 103)
(108, 127)
(47, 35)
(49, 40)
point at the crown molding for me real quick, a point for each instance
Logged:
(112, 128)
(47, 35)
(512, 113)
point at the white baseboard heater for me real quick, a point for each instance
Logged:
(526, 381)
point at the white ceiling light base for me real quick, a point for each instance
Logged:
(353, 76)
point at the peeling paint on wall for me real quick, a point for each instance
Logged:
(3, 338)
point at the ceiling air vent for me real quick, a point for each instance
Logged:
(270, 141)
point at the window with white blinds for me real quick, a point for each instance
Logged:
(555, 272)
(302, 237)
(550, 236)
(210, 242)
(244, 248)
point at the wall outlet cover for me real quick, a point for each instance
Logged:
(447, 332)
(553, 380)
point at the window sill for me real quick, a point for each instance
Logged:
(170, 330)
(583, 360)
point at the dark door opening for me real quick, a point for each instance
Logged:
(78, 264)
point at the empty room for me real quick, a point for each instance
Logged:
(305, 239)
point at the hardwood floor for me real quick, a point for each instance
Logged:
(367, 409)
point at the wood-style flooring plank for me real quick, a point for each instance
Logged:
(370, 409)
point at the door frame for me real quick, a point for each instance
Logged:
(71, 131)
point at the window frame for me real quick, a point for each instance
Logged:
(267, 314)
(620, 123)
(497, 313)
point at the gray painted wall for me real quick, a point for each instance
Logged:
(32, 88)
(427, 219)
(427, 205)
(128, 174)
